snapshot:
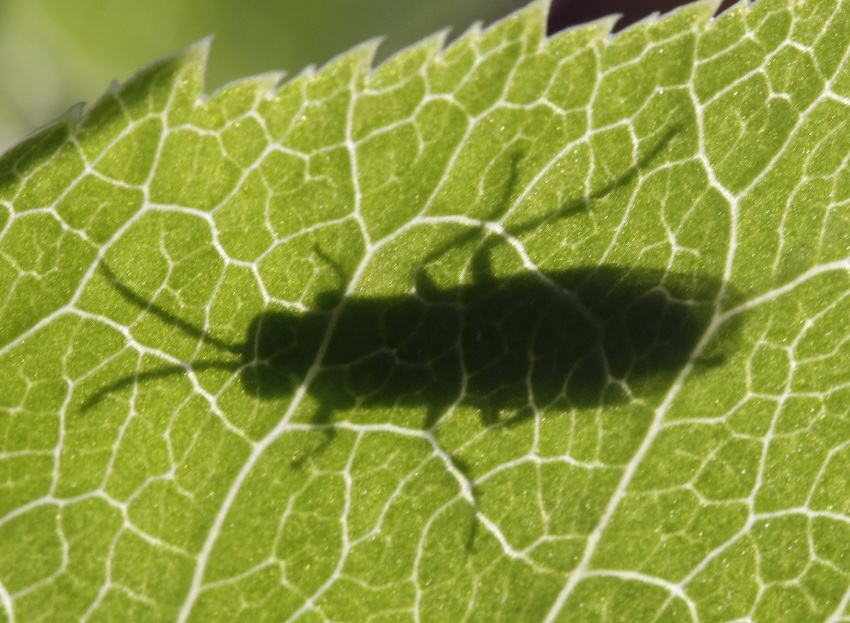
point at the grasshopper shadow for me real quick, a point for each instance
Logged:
(586, 336)
(580, 338)
(500, 346)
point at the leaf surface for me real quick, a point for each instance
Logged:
(520, 329)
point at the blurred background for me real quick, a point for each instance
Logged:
(54, 53)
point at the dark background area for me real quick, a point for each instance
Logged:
(566, 13)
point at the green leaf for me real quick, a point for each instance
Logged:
(54, 52)
(521, 329)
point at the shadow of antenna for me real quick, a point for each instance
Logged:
(278, 349)
(164, 315)
(580, 205)
(481, 260)
(173, 320)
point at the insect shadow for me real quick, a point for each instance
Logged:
(583, 337)
(578, 338)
